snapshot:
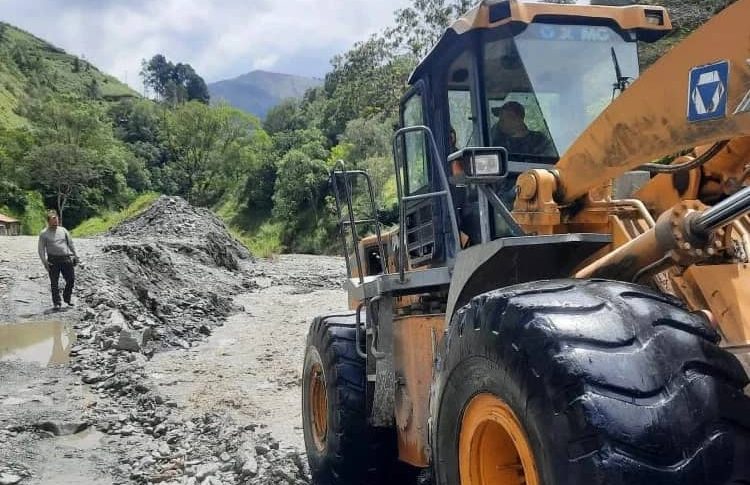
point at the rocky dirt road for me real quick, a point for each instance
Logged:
(180, 363)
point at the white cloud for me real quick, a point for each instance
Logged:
(220, 39)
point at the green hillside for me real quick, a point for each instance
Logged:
(30, 66)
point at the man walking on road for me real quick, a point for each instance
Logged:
(58, 255)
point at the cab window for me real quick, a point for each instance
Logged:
(560, 77)
(515, 118)
(415, 146)
(463, 129)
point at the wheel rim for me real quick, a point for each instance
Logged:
(318, 406)
(493, 447)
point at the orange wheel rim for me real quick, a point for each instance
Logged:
(319, 406)
(493, 447)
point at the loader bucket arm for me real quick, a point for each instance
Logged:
(697, 94)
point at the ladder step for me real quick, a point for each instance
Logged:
(361, 221)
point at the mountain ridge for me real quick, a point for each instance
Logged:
(260, 90)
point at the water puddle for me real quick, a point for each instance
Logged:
(45, 343)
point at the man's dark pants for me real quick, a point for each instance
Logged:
(64, 265)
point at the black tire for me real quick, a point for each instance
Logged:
(353, 453)
(612, 383)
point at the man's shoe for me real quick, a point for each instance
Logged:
(57, 307)
(70, 303)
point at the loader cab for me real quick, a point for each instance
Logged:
(525, 78)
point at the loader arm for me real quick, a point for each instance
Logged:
(651, 119)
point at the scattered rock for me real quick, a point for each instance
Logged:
(9, 479)
(62, 429)
(206, 470)
(129, 340)
(250, 468)
(91, 377)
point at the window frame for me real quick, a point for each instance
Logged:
(416, 90)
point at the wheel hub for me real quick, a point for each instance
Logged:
(318, 406)
(493, 447)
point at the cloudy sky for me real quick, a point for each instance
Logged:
(219, 38)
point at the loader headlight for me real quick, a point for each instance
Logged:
(655, 17)
(482, 162)
(486, 164)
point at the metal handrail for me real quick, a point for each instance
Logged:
(339, 213)
(352, 222)
(402, 198)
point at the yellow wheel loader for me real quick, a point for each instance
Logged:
(566, 298)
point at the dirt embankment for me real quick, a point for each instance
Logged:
(185, 367)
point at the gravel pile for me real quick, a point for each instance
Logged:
(167, 447)
(191, 230)
(161, 281)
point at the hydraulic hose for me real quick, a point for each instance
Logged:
(701, 160)
(686, 231)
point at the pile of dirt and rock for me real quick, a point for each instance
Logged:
(186, 229)
(164, 280)
(163, 444)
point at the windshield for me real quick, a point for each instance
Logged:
(545, 88)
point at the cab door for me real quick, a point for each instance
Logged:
(419, 226)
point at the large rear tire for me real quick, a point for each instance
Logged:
(342, 448)
(587, 382)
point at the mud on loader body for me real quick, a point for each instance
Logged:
(554, 307)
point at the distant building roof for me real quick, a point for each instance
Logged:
(4, 218)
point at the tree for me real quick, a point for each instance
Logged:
(137, 120)
(93, 90)
(69, 120)
(156, 73)
(63, 171)
(75, 162)
(300, 185)
(368, 137)
(286, 116)
(365, 82)
(261, 174)
(15, 143)
(172, 83)
(194, 85)
(208, 148)
(419, 26)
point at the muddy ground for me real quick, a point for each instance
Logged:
(179, 364)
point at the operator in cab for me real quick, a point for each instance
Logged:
(512, 133)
